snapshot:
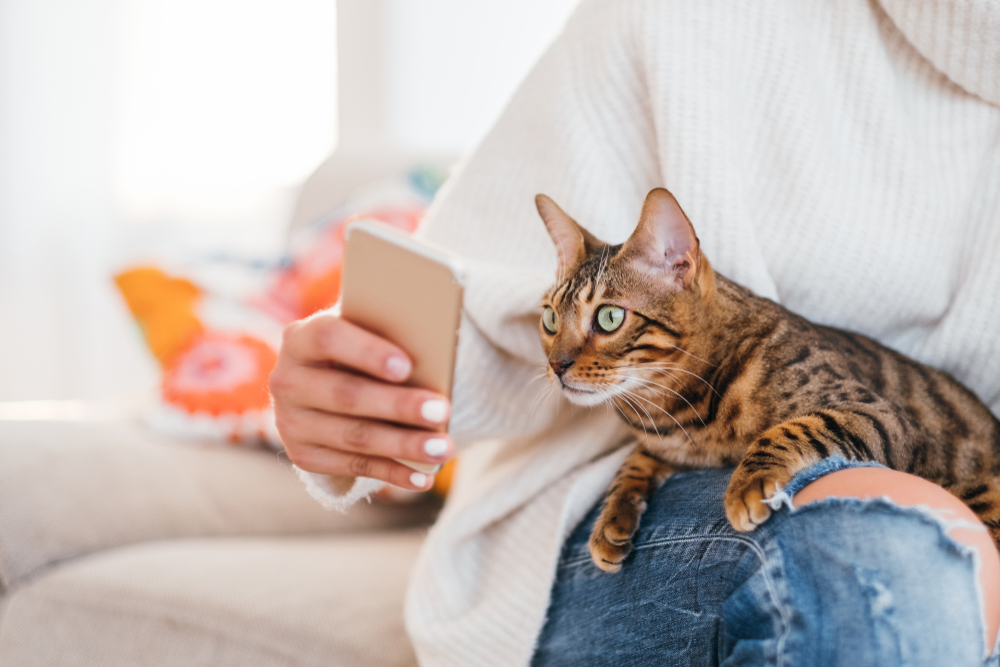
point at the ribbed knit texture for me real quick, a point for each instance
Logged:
(840, 157)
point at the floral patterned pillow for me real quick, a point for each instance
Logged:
(214, 376)
(216, 340)
(215, 327)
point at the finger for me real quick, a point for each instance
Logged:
(328, 338)
(339, 392)
(364, 436)
(325, 461)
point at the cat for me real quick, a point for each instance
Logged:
(708, 374)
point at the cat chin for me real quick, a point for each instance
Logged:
(585, 398)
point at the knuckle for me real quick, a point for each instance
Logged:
(283, 422)
(277, 382)
(299, 455)
(323, 338)
(358, 435)
(326, 334)
(346, 394)
(361, 466)
(290, 333)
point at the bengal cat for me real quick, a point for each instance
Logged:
(707, 374)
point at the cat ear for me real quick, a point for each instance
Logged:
(571, 240)
(665, 238)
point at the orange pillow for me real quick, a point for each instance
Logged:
(216, 350)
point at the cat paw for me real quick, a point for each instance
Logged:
(745, 506)
(611, 539)
(606, 555)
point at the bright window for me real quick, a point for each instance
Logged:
(225, 103)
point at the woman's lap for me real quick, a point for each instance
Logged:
(839, 582)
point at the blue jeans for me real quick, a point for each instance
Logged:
(840, 582)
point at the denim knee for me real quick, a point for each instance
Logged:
(856, 582)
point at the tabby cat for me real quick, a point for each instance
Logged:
(706, 373)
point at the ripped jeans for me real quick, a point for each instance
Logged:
(841, 582)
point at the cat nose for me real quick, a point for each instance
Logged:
(559, 366)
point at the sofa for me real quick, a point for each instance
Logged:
(122, 547)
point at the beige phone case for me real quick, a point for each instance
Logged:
(408, 292)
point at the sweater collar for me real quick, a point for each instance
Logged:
(961, 38)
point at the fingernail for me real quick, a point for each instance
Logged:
(434, 411)
(436, 447)
(397, 367)
(418, 479)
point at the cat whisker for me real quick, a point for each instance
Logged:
(540, 376)
(629, 398)
(609, 399)
(679, 425)
(647, 383)
(648, 416)
(669, 372)
(624, 416)
(693, 356)
(609, 403)
(641, 422)
(542, 398)
(660, 365)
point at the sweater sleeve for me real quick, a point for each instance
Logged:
(578, 129)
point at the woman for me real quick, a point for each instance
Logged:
(838, 157)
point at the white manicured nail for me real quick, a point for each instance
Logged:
(436, 447)
(418, 479)
(398, 367)
(434, 411)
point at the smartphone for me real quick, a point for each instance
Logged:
(409, 292)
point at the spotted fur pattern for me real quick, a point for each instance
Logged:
(707, 374)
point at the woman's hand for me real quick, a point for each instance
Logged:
(340, 410)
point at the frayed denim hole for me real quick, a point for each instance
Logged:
(822, 468)
(929, 516)
(994, 656)
(881, 609)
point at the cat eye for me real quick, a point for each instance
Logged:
(610, 318)
(550, 320)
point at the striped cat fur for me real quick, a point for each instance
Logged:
(708, 374)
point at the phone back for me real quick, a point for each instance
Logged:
(407, 292)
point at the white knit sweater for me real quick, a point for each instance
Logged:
(841, 157)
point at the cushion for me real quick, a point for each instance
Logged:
(214, 323)
(74, 488)
(219, 603)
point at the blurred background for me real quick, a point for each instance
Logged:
(146, 130)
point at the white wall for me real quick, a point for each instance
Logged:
(451, 65)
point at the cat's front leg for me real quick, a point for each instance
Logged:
(640, 475)
(784, 450)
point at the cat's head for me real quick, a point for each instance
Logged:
(618, 318)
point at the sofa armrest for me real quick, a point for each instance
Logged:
(73, 488)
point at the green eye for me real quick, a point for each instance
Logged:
(610, 318)
(550, 320)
